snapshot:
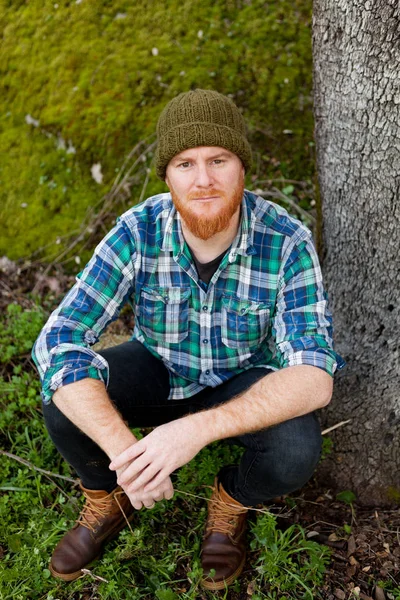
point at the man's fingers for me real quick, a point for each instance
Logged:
(142, 499)
(144, 478)
(134, 470)
(127, 455)
(137, 504)
(169, 492)
(154, 483)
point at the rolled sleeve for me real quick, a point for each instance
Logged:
(302, 325)
(71, 364)
(62, 352)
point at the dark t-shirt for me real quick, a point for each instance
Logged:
(207, 270)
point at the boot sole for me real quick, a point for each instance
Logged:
(209, 584)
(77, 574)
(71, 576)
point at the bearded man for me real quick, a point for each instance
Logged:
(232, 339)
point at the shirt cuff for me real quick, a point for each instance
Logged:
(69, 373)
(328, 361)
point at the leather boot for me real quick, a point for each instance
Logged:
(100, 520)
(223, 551)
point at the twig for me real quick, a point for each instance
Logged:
(325, 431)
(122, 510)
(96, 577)
(339, 557)
(275, 193)
(32, 466)
(264, 511)
(280, 180)
(146, 181)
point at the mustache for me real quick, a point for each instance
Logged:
(212, 192)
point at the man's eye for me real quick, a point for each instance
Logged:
(218, 161)
(184, 164)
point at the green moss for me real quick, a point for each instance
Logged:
(393, 494)
(88, 73)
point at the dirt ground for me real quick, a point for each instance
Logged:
(361, 559)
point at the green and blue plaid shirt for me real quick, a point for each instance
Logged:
(265, 306)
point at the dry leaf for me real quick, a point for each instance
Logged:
(251, 588)
(351, 545)
(367, 568)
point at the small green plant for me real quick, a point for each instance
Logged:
(19, 329)
(347, 528)
(288, 564)
(327, 447)
(348, 497)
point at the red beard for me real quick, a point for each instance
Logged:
(204, 226)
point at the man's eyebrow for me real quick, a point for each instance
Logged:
(183, 158)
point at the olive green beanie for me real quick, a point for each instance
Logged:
(200, 118)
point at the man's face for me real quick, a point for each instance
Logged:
(206, 184)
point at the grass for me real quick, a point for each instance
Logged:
(159, 557)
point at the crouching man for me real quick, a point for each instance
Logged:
(232, 339)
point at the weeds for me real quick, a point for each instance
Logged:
(288, 565)
(18, 331)
(160, 557)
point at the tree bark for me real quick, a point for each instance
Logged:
(356, 46)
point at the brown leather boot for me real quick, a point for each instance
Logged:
(100, 520)
(223, 550)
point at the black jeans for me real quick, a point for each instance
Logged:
(276, 461)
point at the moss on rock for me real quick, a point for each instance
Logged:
(82, 83)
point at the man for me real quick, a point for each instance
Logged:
(232, 339)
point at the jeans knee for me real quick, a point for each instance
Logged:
(57, 424)
(290, 455)
(296, 465)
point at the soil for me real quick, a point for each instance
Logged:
(364, 557)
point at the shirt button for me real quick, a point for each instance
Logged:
(205, 307)
(205, 341)
(208, 372)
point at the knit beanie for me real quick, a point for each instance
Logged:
(200, 118)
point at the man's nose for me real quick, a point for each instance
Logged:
(204, 176)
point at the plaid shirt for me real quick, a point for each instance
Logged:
(265, 306)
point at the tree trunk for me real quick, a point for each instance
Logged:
(357, 125)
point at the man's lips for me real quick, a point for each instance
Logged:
(205, 198)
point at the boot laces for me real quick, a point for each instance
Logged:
(223, 517)
(94, 510)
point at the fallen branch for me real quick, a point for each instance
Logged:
(335, 427)
(25, 462)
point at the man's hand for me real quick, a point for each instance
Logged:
(148, 463)
(140, 498)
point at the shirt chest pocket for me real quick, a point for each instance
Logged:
(163, 313)
(244, 322)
